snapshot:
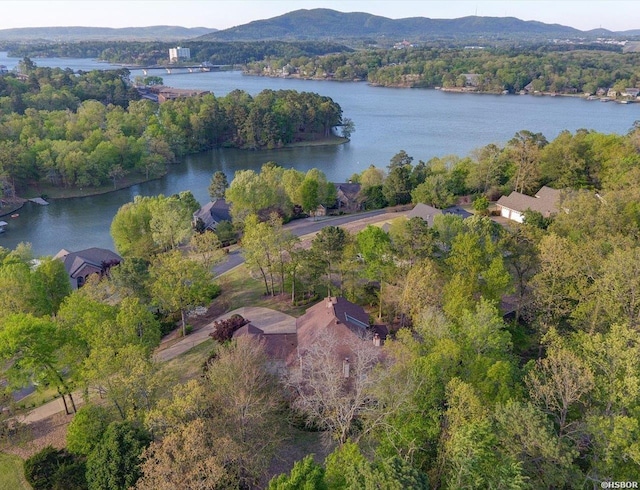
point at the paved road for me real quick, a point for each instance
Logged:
(259, 316)
(306, 226)
(264, 318)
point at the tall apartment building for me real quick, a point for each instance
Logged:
(179, 54)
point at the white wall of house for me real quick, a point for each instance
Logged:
(511, 214)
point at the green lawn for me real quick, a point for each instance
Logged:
(189, 364)
(38, 398)
(11, 473)
(240, 289)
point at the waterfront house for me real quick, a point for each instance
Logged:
(515, 204)
(212, 214)
(347, 196)
(80, 265)
(630, 92)
(471, 79)
(613, 93)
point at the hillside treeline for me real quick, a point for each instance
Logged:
(574, 71)
(50, 132)
(151, 53)
(581, 160)
(513, 360)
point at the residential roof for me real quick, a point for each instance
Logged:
(425, 212)
(277, 346)
(458, 211)
(350, 190)
(346, 322)
(86, 262)
(213, 213)
(545, 202)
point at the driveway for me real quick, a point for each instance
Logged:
(266, 319)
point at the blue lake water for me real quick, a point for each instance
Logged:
(425, 123)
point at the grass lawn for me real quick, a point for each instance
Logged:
(188, 365)
(240, 289)
(12, 473)
(38, 398)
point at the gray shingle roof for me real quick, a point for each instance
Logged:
(545, 202)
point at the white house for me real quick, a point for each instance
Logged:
(515, 204)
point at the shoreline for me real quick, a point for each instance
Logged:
(13, 206)
(457, 90)
(80, 193)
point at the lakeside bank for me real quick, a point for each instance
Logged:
(48, 191)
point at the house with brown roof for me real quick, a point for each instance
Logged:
(345, 322)
(80, 265)
(514, 205)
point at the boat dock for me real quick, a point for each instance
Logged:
(39, 200)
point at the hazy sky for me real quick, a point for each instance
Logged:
(615, 15)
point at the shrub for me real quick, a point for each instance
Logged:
(55, 469)
(224, 329)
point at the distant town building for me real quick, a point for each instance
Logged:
(179, 54)
(3, 70)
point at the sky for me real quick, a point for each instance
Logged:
(615, 15)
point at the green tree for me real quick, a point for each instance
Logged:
(207, 248)
(130, 229)
(347, 468)
(30, 345)
(179, 283)
(348, 127)
(374, 246)
(328, 245)
(372, 177)
(218, 185)
(52, 281)
(86, 428)
(170, 223)
(114, 463)
(305, 475)
(310, 196)
(55, 469)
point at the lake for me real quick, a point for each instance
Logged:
(425, 123)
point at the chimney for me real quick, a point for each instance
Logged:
(345, 367)
(376, 340)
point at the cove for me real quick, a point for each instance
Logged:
(425, 123)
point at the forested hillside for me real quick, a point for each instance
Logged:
(568, 69)
(513, 359)
(88, 130)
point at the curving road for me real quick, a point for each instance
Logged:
(308, 226)
(299, 228)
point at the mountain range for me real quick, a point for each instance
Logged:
(322, 24)
(326, 23)
(71, 34)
